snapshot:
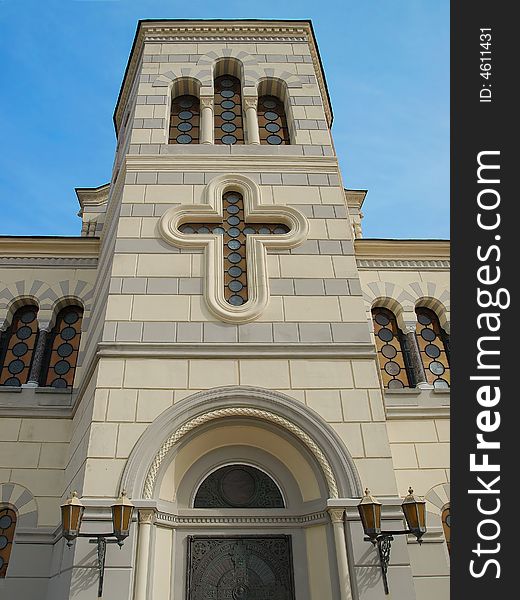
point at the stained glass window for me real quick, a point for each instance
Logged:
(62, 349)
(446, 525)
(17, 348)
(185, 120)
(391, 349)
(228, 111)
(434, 347)
(272, 122)
(7, 527)
(238, 486)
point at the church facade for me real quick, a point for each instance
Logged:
(223, 345)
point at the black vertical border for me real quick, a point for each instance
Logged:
(475, 127)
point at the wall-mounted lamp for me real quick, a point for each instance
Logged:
(370, 512)
(72, 514)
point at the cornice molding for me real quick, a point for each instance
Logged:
(49, 261)
(97, 196)
(394, 413)
(402, 254)
(431, 265)
(49, 248)
(173, 520)
(219, 31)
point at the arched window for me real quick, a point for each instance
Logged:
(185, 120)
(392, 350)
(17, 347)
(228, 111)
(7, 527)
(446, 525)
(272, 122)
(62, 349)
(434, 347)
(238, 486)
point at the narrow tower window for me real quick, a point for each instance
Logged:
(17, 348)
(185, 120)
(7, 527)
(433, 344)
(272, 122)
(228, 111)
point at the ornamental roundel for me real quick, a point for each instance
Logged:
(434, 348)
(18, 346)
(389, 344)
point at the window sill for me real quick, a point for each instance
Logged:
(35, 402)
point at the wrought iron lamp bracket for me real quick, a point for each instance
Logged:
(101, 539)
(383, 541)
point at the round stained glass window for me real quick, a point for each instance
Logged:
(229, 140)
(218, 231)
(3, 542)
(441, 384)
(28, 316)
(233, 209)
(272, 127)
(228, 115)
(233, 220)
(236, 300)
(436, 368)
(274, 140)
(187, 229)
(65, 350)
(71, 317)
(185, 102)
(203, 230)
(381, 319)
(62, 367)
(20, 349)
(68, 333)
(392, 368)
(228, 127)
(432, 351)
(234, 257)
(185, 114)
(428, 334)
(59, 383)
(184, 139)
(271, 116)
(249, 231)
(5, 522)
(235, 271)
(269, 103)
(385, 334)
(233, 232)
(233, 244)
(226, 83)
(15, 366)
(423, 319)
(232, 199)
(24, 332)
(388, 351)
(264, 230)
(395, 384)
(280, 230)
(184, 126)
(235, 286)
(227, 93)
(227, 104)
(12, 382)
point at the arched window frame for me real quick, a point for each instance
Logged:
(55, 340)
(12, 341)
(278, 88)
(441, 341)
(184, 86)
(405, 375)
(7, 532)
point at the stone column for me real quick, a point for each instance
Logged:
(207, 135)
(337, 519)
(38, 354)
(416, 363)
(146, 517)
(253, 133)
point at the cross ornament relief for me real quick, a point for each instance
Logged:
(235, 230)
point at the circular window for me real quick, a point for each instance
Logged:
(59, 383)
(248, 231)
(233, 244)
(184, 139)
(236, 300)
(388, 351)
(187, 229)
(271, 116)
(264, 231)
(395, 384)
(228, 115)
(235, 271)
(232, 199)
(280, 230)
(185, 126)
(432, 351)
(272, 127)
(3, 542)
(65, 350)
(274, 140)
(12, 382)
(269, 103)
(28, 316)
(392, 368)
(71, 317)
(15, 367)
(227, 93)
(227, 104)
(226, 83)
(381, 319)
(62, 367)
(229, 140)
(235, 286)
(218, 231)
(233, 232)
(233, 209)
(441, 384)
(203, 229)
(5, 522)
(436, 368)
(228, 127)
(20, 349)
(385, 334)
(233, 220)
(185, 114)
(234, 257)
(423, 319)
(185, 102)
(428, 334)
(68, 333)
(24, 332)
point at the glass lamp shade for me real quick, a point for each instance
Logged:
(415, 514)
(71, 515)
(122, 512)
(370, 512)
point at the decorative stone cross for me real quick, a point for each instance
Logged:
(235, 230)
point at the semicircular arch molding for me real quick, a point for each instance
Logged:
(141, 472)
(22, 500)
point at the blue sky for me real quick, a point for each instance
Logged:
(387, 68)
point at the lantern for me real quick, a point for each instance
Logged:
(122, 512)
(370, 512)
(71, 515)
(415, 513)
